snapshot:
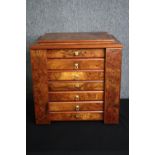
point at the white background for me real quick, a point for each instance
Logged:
(13, 77)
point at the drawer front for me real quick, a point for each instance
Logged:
(75, 64)
(76, 75)
(76, 96)
(75, 106)
(75, 116)
(89, 85)
(76, 53)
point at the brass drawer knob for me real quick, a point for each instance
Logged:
(77, 107)
(76, 66)
(77, 85)
(77, 116)
(76, 77)
(76, 53)
(77, 97)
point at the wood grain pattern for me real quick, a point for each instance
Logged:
(71, 96)
(75, 46)
(76, 75)
(70, 53)
(75, 85)
(76, 116)
(76, 64)
(40, 85)
(72, 106)
(95, 45)
(112, 85)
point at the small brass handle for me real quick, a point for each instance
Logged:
(77, 97)
(76, 65)
(76, 76)
(77, 116)
(77, 85)
(77, 107)
(76, 53)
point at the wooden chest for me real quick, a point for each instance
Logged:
(76, 77)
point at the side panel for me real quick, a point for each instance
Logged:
(112, 85)
(40, 85)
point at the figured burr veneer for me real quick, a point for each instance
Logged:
(75, 85)
(76, 96)
(76, 64)
(76, 77)
(76, 106)
(76, 53)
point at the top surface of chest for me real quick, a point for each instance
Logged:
(76, 40)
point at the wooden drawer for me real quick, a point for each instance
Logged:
(76, 96)
(76, 106)
(75, 64)
(72, 85)
(76, 53)
(75, 116)
(76, 75)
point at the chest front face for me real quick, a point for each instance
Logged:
(76, 80)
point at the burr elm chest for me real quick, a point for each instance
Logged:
(76, 77)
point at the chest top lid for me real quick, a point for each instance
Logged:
(77, 39)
